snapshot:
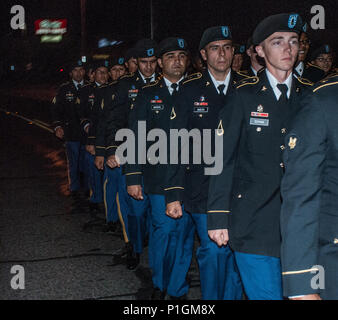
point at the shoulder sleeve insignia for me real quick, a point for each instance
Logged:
(192, 77)
(247, 81)
(305, 81)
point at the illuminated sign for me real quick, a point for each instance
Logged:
(107, 43)
(50, 26)
(49, 38)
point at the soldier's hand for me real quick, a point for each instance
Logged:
(220, 236)
(135, 192)
(59, 133)
(308, 297)
(99, 162)
(113, 162)
(91, 149)
(174, 210)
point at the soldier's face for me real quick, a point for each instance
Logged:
(324, 61)
(147, 66)
(101, 75)
(280, 51)
(131, 65)
(174, 64)
(304, 46)
(78, 74)
(218, 55)
(117, 71)
(237, 62)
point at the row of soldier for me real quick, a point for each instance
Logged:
(236, 214)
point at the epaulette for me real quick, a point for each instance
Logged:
(312, 65)
(305, 81)
(326, 79)
(128, 75)
(192, 77)
(325, 82)
(65, 84)
(86, 85)
(110, 84)
(246, 81)
(243, 73)
(151, 84)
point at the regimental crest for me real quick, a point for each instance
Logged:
(292, 143)
(327, 48)
(242, 48)
(180, 43)
(150, 52)
(121, 60)
(202, 98)
(293, 20)
(173, 114)
(260, 108)
(220, 129)
(225, 31)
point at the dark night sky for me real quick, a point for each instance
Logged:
(130, 20)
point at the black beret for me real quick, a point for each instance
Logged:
(130, 53)
(215, 34)
(117, 61)
(249, 43)
(239, 48)
(99, 63)
(171, 44)
(283, 22)
(75, 64)
(324, 49)
(145, 48)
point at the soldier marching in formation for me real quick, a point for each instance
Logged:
(267, 219)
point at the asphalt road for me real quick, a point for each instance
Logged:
(58, 258)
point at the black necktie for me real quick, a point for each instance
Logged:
(221, 89)
(174, 86)
(148, 80)
(283, 88)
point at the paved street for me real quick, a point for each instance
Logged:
(60, 259)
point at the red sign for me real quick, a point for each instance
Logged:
(50, 26)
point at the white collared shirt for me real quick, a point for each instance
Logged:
(254, 71)
(273, 82)
(169, 83)
(300, 68)
(78, 83)
(225, 82)
(152, 77)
